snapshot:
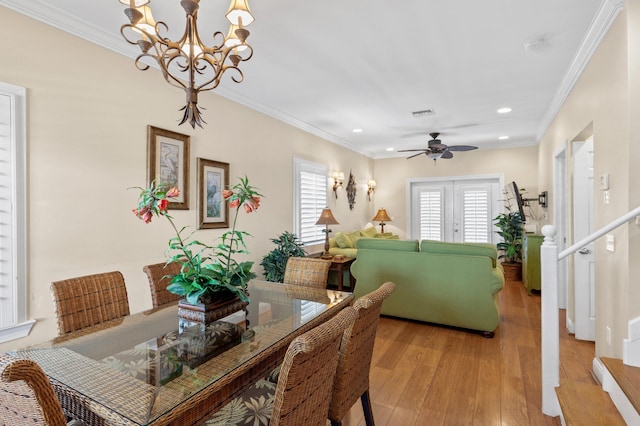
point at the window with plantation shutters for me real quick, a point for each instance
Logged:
(431, 214)
(310, 184)
(455, 210)
(13, 295)
(476, 218)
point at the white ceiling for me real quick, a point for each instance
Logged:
(331, 66)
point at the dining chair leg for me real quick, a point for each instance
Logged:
(366, 407)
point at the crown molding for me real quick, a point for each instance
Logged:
(606, 16)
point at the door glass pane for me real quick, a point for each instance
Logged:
(430, 205)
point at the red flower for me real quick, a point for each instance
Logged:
(256, 202)
(248, 208)
(173, 192)
(234, 203)
(226, 193)
(163, 204)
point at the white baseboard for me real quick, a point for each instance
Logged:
(571, 327)
(620, 400)
(631, 345)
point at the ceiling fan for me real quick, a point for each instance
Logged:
(436, 149)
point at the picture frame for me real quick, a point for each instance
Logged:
(213, 177)
(168, 162)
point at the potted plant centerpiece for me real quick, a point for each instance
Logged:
(510, 225)
(210, 277)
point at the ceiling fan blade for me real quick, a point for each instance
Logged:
(409, 150)
(415, 155)
(462, 148)
(447, 155)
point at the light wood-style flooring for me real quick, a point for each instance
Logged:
(428, 375)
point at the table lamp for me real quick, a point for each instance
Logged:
(381, 217)
(326, 218)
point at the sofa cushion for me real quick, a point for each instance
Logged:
(386, 244)
(354, 237)
(368, 232)
(344, 241)
(469, 249)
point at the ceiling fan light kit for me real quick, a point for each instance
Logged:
(436, 149)
(188, 63)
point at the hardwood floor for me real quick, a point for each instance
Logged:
(429, 375)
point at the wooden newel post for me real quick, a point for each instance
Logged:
(550, 322)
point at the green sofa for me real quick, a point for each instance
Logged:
(454, 284)
(344, 243)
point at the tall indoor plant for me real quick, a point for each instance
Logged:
(275, 262)
(510, 225)
(206, 272)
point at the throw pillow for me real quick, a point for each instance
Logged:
(368, 232)
(344, 241)
(354, 237)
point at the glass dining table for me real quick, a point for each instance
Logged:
(151, 368)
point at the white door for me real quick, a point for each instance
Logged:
(458, 211)
(584, 264)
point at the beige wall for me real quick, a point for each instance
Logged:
(602, 102)
(88, 111)
(516, 164)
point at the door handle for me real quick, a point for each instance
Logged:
(584, 250)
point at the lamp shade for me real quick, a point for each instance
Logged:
(382, 216)
(326, 218)
(134, 3)
(239, 13)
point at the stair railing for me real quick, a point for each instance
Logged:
(550, 327)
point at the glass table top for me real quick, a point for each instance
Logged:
(139, 368)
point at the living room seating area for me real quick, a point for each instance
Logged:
(452, 284)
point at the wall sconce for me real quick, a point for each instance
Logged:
(338, 178)
(371, 188)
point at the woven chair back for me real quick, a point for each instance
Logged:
(356, 350)
(159, 278)
(90, 300)
(26, 395)
(307, 271)
(303, 391)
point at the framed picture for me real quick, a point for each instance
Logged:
(213, 177)
(168, 162)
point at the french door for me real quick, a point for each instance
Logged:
(456, 210)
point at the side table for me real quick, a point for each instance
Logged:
(341, 265)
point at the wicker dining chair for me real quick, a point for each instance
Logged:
(307, 271)
(26, 395)
(158, 282)
(352, 375)
(303, 391)
(89, 300)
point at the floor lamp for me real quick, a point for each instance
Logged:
(326, 218)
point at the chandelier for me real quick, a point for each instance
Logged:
(188, 63)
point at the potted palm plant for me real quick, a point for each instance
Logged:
(510, 225)
(275, 262)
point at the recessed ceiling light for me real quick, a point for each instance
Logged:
(391, 149)
(504, 110)
(503, 138)
(357, 130)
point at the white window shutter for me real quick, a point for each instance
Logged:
(476, 214)
(309, 200)
(7, 272)
(431, 206)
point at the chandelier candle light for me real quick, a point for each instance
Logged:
(188, 63)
